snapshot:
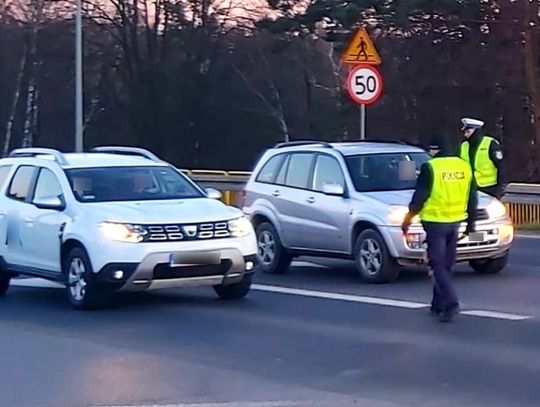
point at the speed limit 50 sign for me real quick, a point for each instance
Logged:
(365, 84)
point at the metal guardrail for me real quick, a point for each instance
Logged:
(521, 200)
(523, 203)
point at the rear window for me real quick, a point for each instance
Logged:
(270, 170)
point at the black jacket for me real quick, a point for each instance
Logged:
(422, 192)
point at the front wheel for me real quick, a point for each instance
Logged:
(373, 262)
(272, 256)
(234, 291)
(4, 283)
(82, 290)
(490, 266)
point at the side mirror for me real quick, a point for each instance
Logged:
(54, 203)
(213, 193)
(333, 190)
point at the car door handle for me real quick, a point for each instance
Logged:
(28, 221)
(310, 200)
(276, 193)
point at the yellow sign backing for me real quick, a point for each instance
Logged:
(361, 50)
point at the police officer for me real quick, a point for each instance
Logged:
(445, 196)
(485, 156)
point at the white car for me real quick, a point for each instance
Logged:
(117, 219)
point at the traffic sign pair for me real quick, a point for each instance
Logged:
(364, 83)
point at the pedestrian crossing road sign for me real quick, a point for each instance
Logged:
(361, 50)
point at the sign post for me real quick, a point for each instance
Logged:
(364, 83)
(362, 122)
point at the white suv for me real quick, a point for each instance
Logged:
(117, 219)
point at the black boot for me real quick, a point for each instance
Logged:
(448, 315)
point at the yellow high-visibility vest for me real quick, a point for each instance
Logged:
(451, 186)
(485, 171)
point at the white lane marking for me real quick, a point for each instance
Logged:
(340, 297)
(523, 236)
(300, 263)
(382, 301)
(35, 283)
(285, 403)
(496, 315)
(41, 283)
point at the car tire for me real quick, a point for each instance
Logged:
(235, 291)
(373, 261)
(272, 256)
(4, 283)
(82, 290)
(490, 266)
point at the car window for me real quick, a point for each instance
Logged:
(280, 180)
(327, 171)
(4, 172)
(21, 182)
(143, 183)
(270, 170)
(299, 170)
(382, 172)
(47, 185)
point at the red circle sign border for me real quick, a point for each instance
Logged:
(376, 72)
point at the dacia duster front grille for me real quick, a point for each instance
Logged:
(187, 232)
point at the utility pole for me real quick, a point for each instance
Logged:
(79, 142)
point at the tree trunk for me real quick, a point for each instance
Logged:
(531, 56)
(29, 114)
(14, 104)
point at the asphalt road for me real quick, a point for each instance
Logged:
(329, 342)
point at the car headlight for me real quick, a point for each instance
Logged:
(398, 213)
(240, 227)
(123, 232)
(496, 210)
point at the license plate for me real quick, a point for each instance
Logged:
(477, 237)
(194, 259)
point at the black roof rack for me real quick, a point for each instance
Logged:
(303, 143)
(378, 141)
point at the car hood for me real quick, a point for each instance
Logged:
(403, 198)
(197, 210)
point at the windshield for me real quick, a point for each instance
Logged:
(385, 172)
(130, 184)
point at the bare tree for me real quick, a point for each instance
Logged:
(14, 104)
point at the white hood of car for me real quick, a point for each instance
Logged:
(403, 198)
(197, 210)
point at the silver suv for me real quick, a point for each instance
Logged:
(347, 200)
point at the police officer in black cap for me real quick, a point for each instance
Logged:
(445, 196)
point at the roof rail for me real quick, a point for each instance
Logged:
(33, 152)
(303, 143)
(379, 141)
(141, 152)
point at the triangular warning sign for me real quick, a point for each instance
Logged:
(361, 50)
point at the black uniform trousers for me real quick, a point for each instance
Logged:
(442, 241)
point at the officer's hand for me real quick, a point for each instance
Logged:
(405, 227)
(406, 223)
(470, 229)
